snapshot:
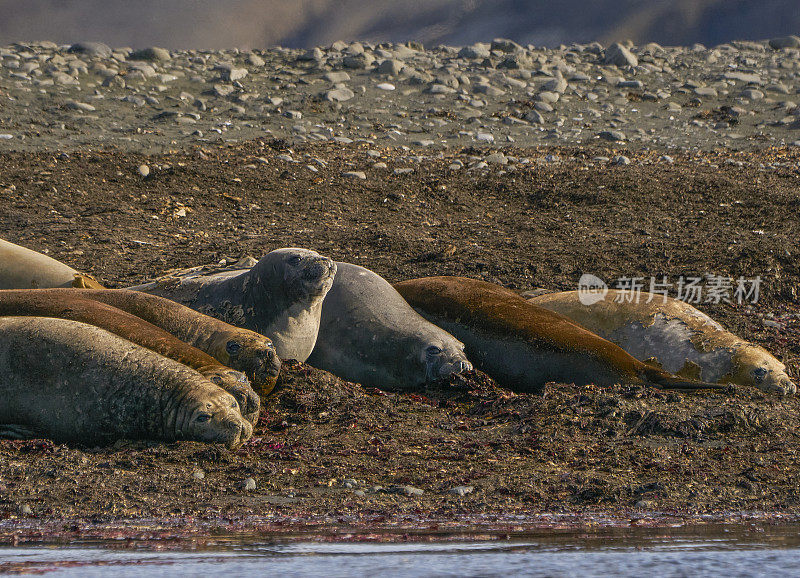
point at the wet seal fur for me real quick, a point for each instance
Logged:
(677, 336)
(241, 349)
(370, 335)
(280, 296)
(73, 382)
(523, 346)
(72, 304)
(22, 268)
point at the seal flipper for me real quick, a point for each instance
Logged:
(662, 380)
(18, 432)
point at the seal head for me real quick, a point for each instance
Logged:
(754, 366)
(307, 275)
(370, 335)
(237, 384)
(253, 354)
(442, 359)
(212, 415)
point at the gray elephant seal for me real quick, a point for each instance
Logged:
(682, 339)
(523, 346)
(235, 347)
(22, 268)
(73, 382)
(370, 335)
(280, 297)
(73, 304)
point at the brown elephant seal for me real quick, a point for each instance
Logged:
(22, 268)
(71, 304)
(74, 382)
(370, 335)
(680, 338)
(235, 347)
(280, 297)
(523, 346)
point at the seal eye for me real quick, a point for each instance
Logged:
(432, 350)
(759, 373)
(203, 418)
(232, 347)
(216, 379)
(294, 261)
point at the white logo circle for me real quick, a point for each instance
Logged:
(591, 289)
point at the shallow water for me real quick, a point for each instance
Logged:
(729, 551)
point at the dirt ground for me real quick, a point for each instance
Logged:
(327, 449)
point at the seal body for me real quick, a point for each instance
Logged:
(280, 297)
(72, 304)
(22, 268)
(682, 339)
(370, 335)
(523, 346)
(235, 347)
(74, 382)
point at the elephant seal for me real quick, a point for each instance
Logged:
(280, 297)
(523, 346)
(682, 339)
(74, 382)
(235, 347)
(22, 268)
(70, 304)
(369, 335)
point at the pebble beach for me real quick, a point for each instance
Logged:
(740, 95)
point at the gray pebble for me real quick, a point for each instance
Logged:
(612, 135)
(91, 48)
(355, 175)
(706, 91)
(152, 53)
(478, 50)
(339, 95)
(82, 106)
(409, 491)
(505, 45)
(752, 94)
(557, 85)
(336, 77)
(358, 61)
(311, 54)
(198, 475)
(391, 67)
(255, 60)
(249, 484)
(636, 84)
(621, 160)
(436, 88)
(618, 55)
(462, 490)
(144, 170)
(785, 42)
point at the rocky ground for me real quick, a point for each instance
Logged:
(740, 95)
(687, 199)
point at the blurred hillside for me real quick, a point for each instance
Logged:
(217, 24)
